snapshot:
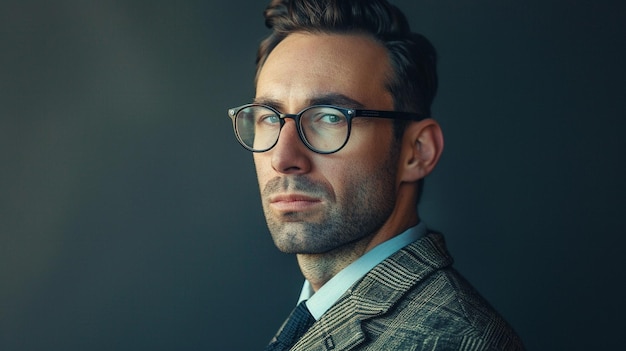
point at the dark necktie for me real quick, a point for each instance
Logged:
(297, 324)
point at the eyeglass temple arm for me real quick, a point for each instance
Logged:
(389, 114)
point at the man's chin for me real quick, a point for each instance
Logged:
(299, 250)
(299, 243)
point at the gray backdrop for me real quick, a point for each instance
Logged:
(130, 218)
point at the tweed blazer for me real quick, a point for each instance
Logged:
(413, 300)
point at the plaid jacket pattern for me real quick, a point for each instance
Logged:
(414, 300)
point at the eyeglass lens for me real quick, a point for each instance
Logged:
(322, 128)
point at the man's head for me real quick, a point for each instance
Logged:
(354, 55)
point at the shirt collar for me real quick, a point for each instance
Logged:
(319, 302)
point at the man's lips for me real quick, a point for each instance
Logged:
(293, 202)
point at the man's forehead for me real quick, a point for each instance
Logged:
(347, 70)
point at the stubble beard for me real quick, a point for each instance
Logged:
(362, 211)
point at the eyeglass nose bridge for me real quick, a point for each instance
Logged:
(299, 130)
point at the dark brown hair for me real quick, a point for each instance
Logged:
(412, 56)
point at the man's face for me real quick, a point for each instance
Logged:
(314, 203)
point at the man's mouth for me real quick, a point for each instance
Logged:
(293, 202)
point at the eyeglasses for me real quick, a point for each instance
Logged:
(324, 129)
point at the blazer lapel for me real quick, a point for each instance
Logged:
(340, 328)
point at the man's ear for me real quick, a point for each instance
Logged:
(422, 145)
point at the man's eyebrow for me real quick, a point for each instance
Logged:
(268, 101)
(337, 100)
(334, 99)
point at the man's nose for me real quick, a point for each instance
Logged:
(290, 155)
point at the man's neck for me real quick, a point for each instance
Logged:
(320, 268)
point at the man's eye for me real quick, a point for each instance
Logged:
(331, 119)
(269, 119)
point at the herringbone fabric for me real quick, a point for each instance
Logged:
(414, 300)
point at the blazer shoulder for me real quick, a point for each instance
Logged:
(436, 302)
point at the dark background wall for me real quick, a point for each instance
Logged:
(130, 219)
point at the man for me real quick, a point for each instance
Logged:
(342, 140)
